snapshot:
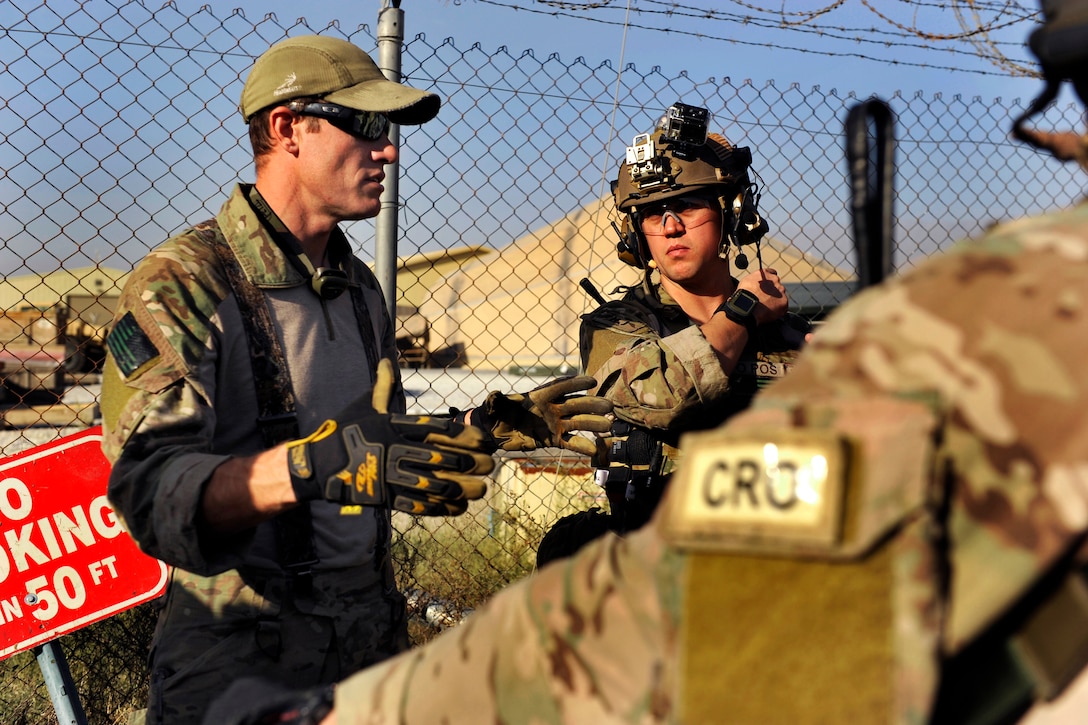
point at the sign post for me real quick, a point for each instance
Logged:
(65, 560)
(58, 680)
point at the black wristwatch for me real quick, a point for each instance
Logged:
(741, 309)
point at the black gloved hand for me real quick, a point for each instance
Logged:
(546, 416)
(415, 463)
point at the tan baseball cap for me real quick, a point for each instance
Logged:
(336, 71)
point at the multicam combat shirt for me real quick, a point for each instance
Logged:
(653, 362)
(178, 392)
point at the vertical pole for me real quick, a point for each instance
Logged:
(58, 680)
(390, 40)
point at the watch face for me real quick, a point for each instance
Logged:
(744, 302)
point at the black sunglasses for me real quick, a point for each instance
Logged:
(367, 125)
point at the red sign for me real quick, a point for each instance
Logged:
(65, 561)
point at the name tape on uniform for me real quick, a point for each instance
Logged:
(762, 368)
(750, 491)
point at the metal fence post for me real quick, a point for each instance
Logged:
(58, 680)
(390, 40)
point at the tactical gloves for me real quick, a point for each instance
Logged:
(414, 463)
(546, 416)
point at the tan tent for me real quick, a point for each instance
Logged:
(420, 274)
(521, 307)
(418, 277)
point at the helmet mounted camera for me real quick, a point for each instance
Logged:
(680, 158)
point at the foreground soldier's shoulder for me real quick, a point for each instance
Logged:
(1026, 242)
(1063, 233)
(1009, 279)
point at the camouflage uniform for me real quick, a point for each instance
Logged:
(956, 397)
(664, 379)
(178, 399)
(656, 365)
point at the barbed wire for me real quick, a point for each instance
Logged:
(968, 30)
(987, 49)
(978, 22)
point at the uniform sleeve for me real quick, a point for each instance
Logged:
(652, 381)
(545, 649)
(157, 422)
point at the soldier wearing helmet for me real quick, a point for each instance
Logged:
(689, 346)
(897, 532)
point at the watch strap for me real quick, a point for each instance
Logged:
(735, 314)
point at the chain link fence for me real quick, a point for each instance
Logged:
(119, 127)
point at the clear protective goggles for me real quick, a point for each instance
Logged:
(367, 125)
(689, 209)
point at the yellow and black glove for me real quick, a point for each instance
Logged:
(546, 416)
(416, 463)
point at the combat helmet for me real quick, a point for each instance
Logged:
(680, 158)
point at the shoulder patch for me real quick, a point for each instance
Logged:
(758, 491)
(130, 346)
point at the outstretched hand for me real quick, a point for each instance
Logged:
(549, 415)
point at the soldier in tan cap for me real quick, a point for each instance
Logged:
(894, 533)
(252, 414)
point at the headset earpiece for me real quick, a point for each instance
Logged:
(328, 283)
(628, 249)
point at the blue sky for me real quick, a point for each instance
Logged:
(80, 190)
(848, 48)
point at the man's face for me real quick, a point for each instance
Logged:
(340, 173)
(683, 236)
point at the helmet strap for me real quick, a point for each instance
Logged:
(641, 246)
